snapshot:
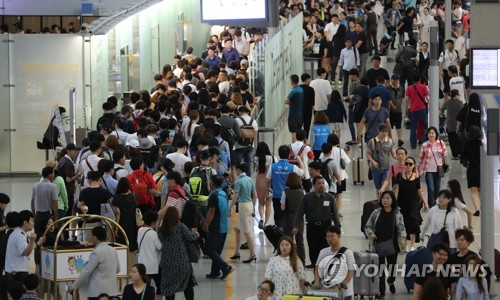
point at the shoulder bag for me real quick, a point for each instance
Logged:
(420, 96)
(386, 248)
(441, 237)
(193, 251)
(444, 168)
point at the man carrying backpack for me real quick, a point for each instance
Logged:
(333, 235)
(243, 148)
(142, 185)
(199, 180)
(330, 172)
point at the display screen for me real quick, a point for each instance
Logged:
(485, 70)
(233, 11)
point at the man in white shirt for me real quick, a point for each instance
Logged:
(306, 154)
(448, 58)
(179, 158)
(349, 59)
(118, 132)
(322, 90)
(332, 27)
(119, 160)
(90, 162)
(457, 83)
(20, 245)
(223, 83)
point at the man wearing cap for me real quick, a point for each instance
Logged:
(378, 151)
(212, 59)
(66, 169)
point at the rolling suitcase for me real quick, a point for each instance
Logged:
(358, 171)
(368, 208)
(366, 283)
(273, 234)
(418, 257)
(311, 297)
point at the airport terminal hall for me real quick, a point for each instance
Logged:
(249, 149)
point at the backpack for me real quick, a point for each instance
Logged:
(333, 269)
(325, 173)
(116, 170)
(224, 163)
(140, 188)
(355, 103)
(293, 158)
(135, 119)
(228, 135)
(199, 183)
(191, 214)
(247, 133)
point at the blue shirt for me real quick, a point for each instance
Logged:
(230, 56)
(212, 62)
(218, 200)
(244, 186)
(109, 183)
(279, 172)
(321, 133)
(296, 97)
(384, 93)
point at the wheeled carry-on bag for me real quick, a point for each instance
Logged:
(366, 282)
(358, 169)
(273, 234)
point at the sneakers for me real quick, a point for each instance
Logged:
(261, 224)
(477, 213)
(381, 296)
(340, 83)
(226, 272)
(400, 143)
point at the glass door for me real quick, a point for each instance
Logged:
(5, 129)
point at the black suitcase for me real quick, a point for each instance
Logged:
(273, 234)
(368, 208)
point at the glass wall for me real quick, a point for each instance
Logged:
(5, 129)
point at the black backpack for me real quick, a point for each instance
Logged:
(228, 135)
(324, 171)
(355, 103)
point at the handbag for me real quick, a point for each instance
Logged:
(193, 251)
(386, 248)
(138, 216)
(342, 161)
(444, 168)
(441, 237)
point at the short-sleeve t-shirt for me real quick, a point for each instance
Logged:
(417, 93)
(423, 280)
(296, 97)
(244, 186)
(381, 151)
(219, 222)
(373, 119)
(93, 198)
(350, 265)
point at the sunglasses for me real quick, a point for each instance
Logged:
(408, 164)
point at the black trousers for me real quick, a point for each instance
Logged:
(307, 115)
(278, 213)
(41, 219)
(454, 143)
(389, 262)
(316, 238)
(288, 219)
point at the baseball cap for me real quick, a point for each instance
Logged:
(244, 62)
(395, 77)
(145, 144)
(133, 144)
(382, 127)
(71, 146)
(231, 105)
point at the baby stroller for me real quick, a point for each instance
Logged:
(384, 44)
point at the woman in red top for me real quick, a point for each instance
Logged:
(431, 157)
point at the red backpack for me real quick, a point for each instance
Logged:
(136, 118)
(140, 188)
(293, 158)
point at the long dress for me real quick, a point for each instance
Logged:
(176, 270)
(261, 182)
(127, 205)
(280, 271)
(409, 202)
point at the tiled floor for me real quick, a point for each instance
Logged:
(243, 282)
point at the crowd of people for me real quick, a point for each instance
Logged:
(174, 164)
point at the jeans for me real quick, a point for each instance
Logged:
(388, 262)
(363, 58)
(414, 118)
(352, 128)
(244, 154)
(379, 176)
(214, 243)
(433, 182)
